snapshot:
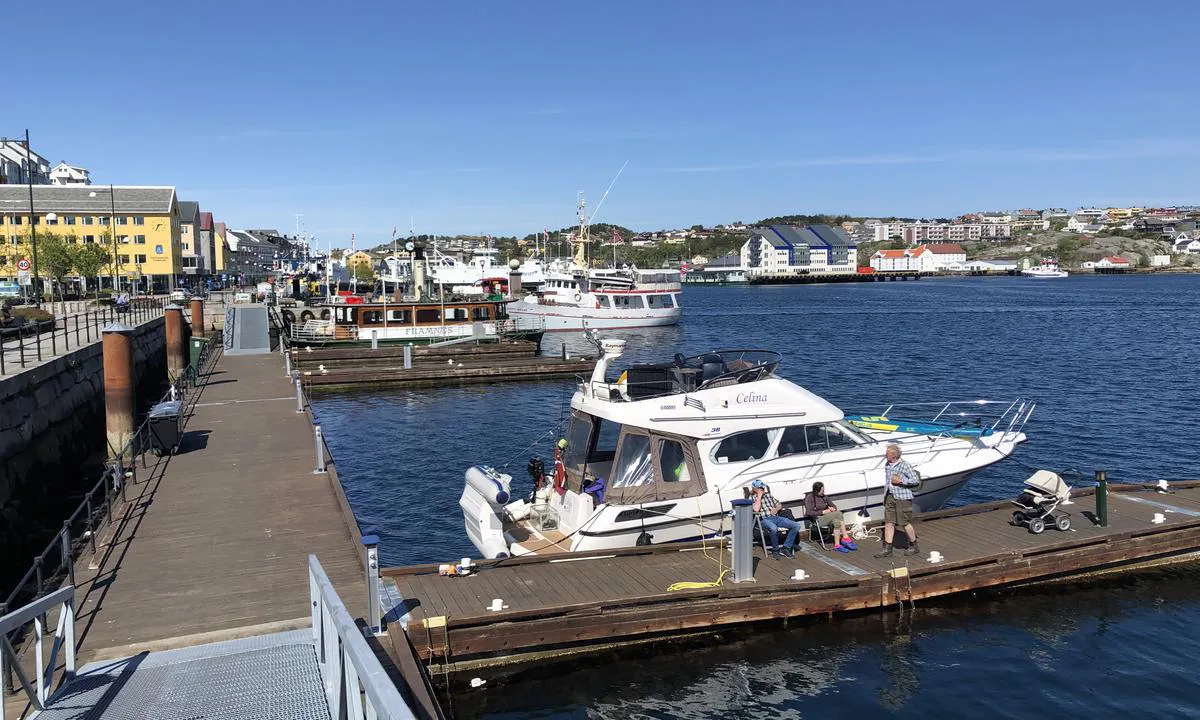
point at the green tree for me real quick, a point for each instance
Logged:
(362, 273)
(90, 259)
(1068, 249)
(56, 258)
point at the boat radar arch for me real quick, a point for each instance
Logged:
(610, 349)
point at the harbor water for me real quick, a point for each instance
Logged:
(1112, 364)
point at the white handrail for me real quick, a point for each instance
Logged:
(350, 672)
(64, 639)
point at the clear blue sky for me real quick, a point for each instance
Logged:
(490, 116)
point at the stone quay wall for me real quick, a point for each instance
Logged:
(51, 426)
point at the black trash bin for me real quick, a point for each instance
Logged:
(165, 427)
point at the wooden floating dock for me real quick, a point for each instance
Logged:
(434, 373)
(306, 358)
(554, 605)
(813, 278)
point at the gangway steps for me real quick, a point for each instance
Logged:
(269, 676)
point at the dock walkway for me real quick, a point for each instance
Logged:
(215, 543)
(555, 604)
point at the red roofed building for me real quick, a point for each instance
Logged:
(922, 258)
(1112, 261)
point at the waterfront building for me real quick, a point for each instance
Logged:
(790, 248)
(249, 258)
(206, 251)
(220, 248)
(189, 222)
(1112, 261)
(17, 162)
(145, 220)
(885, 231)
(1186, 244)
(64, 174)
(922, 258)
(360, 258)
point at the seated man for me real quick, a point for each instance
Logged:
(818, 509)
(767, 508)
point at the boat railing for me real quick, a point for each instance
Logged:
(317, 331)
(515, 325)
(987, 417)
(714, 369)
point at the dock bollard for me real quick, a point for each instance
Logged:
(374, 339)
(320, 450)
(287, 364)
(299, 396)
(408, 356)
(564, 351)
(374, 618)
(1102, 498)
(743, 540)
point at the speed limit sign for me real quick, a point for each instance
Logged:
(22, 264)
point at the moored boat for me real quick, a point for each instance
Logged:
(1047, 269)
(656, 455)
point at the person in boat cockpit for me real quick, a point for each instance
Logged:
(767, 508)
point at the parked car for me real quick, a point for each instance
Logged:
(178, 295)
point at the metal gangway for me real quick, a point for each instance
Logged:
(325, 672)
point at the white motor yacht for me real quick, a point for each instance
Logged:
(657, 454)
(1048, 269)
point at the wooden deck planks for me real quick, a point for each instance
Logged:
(980, 549)
(219, 539)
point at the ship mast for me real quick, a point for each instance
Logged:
(582, 238)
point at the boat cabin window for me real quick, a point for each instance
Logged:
(455, 314)
(579, 435)
(606, 441)
(345, 314)
(628, 302)
(743, 447)
(400, 316)
(427, 315)
(817, 438)
(659, 301)
(633, 467)
(794, 441)
(603, 300)
(371, 317)
(481, 313)
(672, 463)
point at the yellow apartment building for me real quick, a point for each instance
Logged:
(145, 220)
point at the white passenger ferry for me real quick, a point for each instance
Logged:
(576, 298)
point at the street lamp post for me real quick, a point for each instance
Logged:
(30, 169)
(112, 230)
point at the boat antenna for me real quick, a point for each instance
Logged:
(605, 195)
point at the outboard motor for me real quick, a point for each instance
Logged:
(537, 473)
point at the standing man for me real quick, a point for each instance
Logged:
(767, 508)
(899, 480)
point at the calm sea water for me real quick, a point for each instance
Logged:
(1112, 363)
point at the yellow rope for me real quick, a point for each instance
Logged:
(696, 585)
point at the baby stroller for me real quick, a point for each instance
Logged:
(1044, 492)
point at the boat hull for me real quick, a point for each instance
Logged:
(935, 493)
(565, 318)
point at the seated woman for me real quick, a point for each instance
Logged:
(825, 514)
